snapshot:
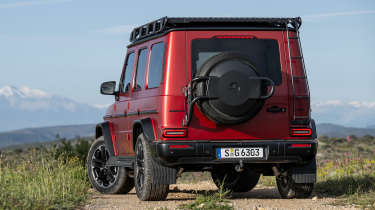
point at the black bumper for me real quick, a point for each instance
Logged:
(204, 152)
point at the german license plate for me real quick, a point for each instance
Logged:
(253, 152)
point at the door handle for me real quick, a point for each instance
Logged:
(276, 109)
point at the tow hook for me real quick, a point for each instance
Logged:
(278, 173)
(239, 167)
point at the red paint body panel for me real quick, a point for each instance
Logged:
(168, 99)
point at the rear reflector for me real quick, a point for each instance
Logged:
(300, 132)
(301, 145)
(174, 133)
(179, 146)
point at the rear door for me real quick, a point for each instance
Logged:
(121, 120)
(265, 50)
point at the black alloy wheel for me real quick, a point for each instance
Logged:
(140, 169)
(104, 178)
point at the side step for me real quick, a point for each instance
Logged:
(121, 161)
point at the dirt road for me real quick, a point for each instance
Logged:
(259, 198)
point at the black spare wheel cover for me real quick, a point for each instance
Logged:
(231, 82)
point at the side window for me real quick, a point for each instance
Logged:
(141, 69)
(156, 65)
(126, 80)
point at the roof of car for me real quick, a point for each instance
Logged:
(164, 24)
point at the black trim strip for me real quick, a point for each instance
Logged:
(131, 114)
(149, 112)
(173, 110)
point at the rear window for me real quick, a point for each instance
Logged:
(262, 53)
(141, 69)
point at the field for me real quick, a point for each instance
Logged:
(54, 176)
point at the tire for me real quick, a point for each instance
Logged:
(235, 181)
(106, 179)
(288, 189)
(143, 173)
(237, 96)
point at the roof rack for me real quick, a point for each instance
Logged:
(166, 23)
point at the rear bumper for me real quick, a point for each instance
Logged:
(204, 152)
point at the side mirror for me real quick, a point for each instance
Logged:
(108, 88)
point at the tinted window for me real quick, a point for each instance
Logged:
(141, 68)
(156, 65)
(128, 73)
(262, 53)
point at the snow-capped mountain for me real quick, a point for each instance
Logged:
(22, 107)
(349, 113)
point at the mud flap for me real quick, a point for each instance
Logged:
(306, 173)
(162, 174)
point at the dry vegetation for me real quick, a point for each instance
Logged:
(55, 177)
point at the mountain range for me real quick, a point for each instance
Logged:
(359, 114)
(40, 112)
(24, 107)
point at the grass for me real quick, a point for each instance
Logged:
(54, 177)
(40, 178)
(217, 200)
(346, 170)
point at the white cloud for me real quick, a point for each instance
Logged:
(335, 103)
(30, 3)
(101, 106)
(327, 103)
(120, 29)
(337, 14)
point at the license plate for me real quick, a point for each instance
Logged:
(253, 152)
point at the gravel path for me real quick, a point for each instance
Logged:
(259, 198)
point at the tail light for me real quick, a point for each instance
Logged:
(174, 133)
(300, 132)
(235, 37)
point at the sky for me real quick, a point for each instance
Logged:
(68, 47)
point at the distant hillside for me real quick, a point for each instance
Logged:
(44, 134)
(332, 130)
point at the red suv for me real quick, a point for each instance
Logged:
(225, 95)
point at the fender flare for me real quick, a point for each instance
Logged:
(104, 129)
(147, 127)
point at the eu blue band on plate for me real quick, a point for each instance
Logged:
(218, 153)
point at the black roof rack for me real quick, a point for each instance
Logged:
(166, 23)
